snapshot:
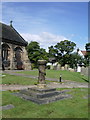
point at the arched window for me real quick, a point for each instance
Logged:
(5, 49)
(18, 58)
(18, 52)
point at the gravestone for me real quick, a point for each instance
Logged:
(51, 67)
(6, 107)
(66, 66)
(58, 67)
(71, 70)
(62, 68)
(55, 65)
(41, 94)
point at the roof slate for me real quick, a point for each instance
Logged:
(10, 35)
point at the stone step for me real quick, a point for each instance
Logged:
(39, 95)
(44, 100)
(42, 90)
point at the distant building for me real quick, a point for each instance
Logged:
(13, 52)
(82, 53)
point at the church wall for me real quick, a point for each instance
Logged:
(25, 59)
(12, 59)
(0, 58)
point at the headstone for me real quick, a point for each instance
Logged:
(71, 70)
(85, 71)
(62, 68)
(58, 67)
(51, 67)
(79, 69)
(66, 66)
(55, 65)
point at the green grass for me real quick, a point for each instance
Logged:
(66, 75)
(20, 80)
(31, 72)
(55, 74)
(75, 107)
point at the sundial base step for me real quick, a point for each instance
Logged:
(42, 96)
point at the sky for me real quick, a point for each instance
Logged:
(49, 22)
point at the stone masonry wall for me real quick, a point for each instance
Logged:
(11, 57)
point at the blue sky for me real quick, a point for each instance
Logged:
(49, 22)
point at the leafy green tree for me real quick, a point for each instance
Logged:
(62, 51)
(35, 52)
(52, 51)
(87, 56)
(65, 47)
(75, 59)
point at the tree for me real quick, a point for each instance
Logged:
(65, 47)
(87, 56)
(62, 51)
(75, 59)
(35, 52)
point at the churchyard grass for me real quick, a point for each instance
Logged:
(75, 107)
(66, 75)
(18, 80)
(55, 74)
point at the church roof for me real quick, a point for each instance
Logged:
(10, 35)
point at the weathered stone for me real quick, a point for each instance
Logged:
(71, 70)
(17, 57)
(55, 65)
(6, 107)
(62, 68)
(42, 72)
(58, 67)
(41, 94)
(51, 67)
(66, 66)
(85, 71)
(44, 98)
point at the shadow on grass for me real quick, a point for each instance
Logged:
(85, 80)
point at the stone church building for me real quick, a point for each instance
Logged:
(13, 52)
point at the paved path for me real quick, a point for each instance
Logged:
(65, 84)
(15, 87)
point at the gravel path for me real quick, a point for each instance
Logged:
(15, 87)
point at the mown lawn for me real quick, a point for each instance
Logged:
(66, 75)
(75, 107)
(55, 74)
(20, 80)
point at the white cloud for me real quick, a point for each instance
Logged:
(45, 39)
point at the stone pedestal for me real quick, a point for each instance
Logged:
(41, 94)
(42, 73)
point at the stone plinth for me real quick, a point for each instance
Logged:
(41, 95)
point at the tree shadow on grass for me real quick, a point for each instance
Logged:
(85, 80)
